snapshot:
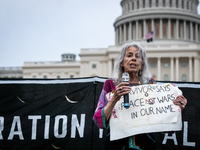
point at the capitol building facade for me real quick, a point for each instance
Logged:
(173, 55)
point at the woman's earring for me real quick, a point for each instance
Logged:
(139, 73)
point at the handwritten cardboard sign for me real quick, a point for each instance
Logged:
(151, 110)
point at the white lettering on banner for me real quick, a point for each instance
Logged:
(47, 125)
(100, 133)
(75, 125)
(16, 129)
(185, 136)
(151, 110)
(64, 126)
(173, 137)
(16, 123)
(1, 127)
(34, 125)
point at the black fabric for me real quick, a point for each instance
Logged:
(23, 101)
(43, 100)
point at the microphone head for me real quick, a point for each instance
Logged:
(125, 77)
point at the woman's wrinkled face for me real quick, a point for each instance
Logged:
(132, 62)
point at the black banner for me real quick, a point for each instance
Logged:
(57, 114)
(49, 115)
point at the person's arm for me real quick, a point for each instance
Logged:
(105, 106)
(120, 90)
(99, 116)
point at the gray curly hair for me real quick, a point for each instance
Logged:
(119, 70)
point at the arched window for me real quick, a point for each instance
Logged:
(166, 77)
(163, 3)
(150, 3)
(157, 3)
(143, 3)
(170, 3)
(184, 77)
(166, 65)
(176, 3)
(132, 5)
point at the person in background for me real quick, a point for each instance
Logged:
(132, 59)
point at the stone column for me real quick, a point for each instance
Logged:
(136, 30)
(177, 69)
(169, 28)
(184, 28)
(147, 4)
(196, 70)
(159, 68)
(196, 33)
(144, 29)
(191, 31)
(161, 28)
(172, 68)
(120, 34)
(109, 67)
(190, 69)
(177, 29)
(133, 31)
(126, 11)
(116, 36)
(130, 6)
(130, 31)
(125, 32)
(152, 27)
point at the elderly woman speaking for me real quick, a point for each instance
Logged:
(132, 60)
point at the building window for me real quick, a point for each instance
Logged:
(71, 76)
(58, 77)
(166, 77)
(153, 65)
(163, 3)
(176, 3)
(34, 76)
(150, 3)
(132, 5)
(157, 27)
(182, 4)
(156, 3)
(170, 3)
(166, 65)
(94, 66)
(184, 77)
(187, 5)
(143, 3)
(44, 76)
(138, 5)
(184, 64)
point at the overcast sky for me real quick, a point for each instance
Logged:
(42, 30)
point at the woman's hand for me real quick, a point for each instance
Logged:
(120, 90)
(181, 101)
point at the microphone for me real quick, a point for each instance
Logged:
(125, 78)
